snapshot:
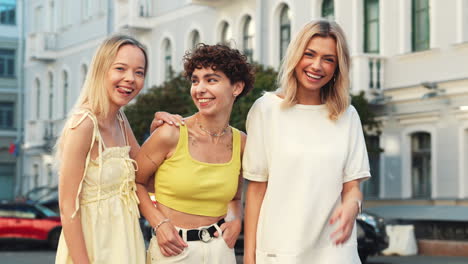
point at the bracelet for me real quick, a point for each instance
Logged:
(160, 223)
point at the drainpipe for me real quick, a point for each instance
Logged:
(19, 180)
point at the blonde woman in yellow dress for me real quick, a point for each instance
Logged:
(98, 203)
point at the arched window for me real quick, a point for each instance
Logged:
(248, 38)
(51, 95)
(167, 59)
(84, 71)
(285, 30)
(36, 174)
(195, 39)
(420, 25)
(421, 164)
(226, 34)
(38, 98)
(328, 9)
(65, 93)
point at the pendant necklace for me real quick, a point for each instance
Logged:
(215, 135)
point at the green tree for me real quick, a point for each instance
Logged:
(265, 80)
(371, 126)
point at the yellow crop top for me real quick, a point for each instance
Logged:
(190, 186)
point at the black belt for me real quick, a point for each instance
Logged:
(203, 234)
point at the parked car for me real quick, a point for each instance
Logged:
(30, 222)
(371, 235)
(45, 196)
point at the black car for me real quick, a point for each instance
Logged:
(371, 235)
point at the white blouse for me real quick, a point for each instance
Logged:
(306, 158)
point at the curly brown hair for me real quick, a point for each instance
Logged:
(221, 58)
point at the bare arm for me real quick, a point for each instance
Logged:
(71, 172)
(152, 154)
(347, 211)
(254, 199)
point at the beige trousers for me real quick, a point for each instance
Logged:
(215, 251)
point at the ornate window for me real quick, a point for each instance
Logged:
(328, 9)
(65, 93)
(38, 98)
(167, 59)
(420, 25)
(248, 38)
(51, 95)
(371, 26)
(195, 39)
(226, 34)
(285, 30)
(421, 164)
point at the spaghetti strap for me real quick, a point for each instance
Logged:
(122, 118)
(236, 138)
(96, 137)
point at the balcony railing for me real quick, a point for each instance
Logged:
(369, 75)
(35, 132)
(212, 3)
(42, 133)
(134, 14)
(42, 46)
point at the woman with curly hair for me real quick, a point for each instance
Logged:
(197, 167)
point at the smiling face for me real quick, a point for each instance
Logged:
(315, 69)
(126, 76)
(212, 91)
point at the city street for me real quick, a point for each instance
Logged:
(39, 254)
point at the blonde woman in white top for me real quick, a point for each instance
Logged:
(305, 157)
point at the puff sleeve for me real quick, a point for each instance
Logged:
(255, 165)
(357, 162)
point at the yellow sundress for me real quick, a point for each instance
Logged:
(108, 205)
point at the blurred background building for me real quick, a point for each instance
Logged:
(410, 57)
(10, 97)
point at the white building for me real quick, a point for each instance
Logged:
(10, 95)
(409, 56)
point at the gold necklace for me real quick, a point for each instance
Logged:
(220, 134)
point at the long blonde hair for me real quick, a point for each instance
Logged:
(335, 94)
(93, 96)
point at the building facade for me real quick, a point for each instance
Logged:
(408, 56)
(10, 96)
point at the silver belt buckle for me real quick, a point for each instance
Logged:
(204, 235)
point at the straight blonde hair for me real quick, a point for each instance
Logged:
(93, 96)
(335, 94)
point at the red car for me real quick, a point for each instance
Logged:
(29, 221)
